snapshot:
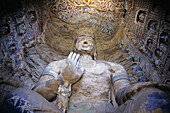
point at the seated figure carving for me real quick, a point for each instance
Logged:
(82, 84)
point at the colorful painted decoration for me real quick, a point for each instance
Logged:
(78, 11)
(143, 67)
(21, 33)
(21, 29)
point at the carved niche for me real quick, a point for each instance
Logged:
(4, 29)
(140, 17)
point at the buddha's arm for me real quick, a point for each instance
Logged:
(119, 77)
(50, 80)
(123, 89)
(58, 72)
(120, 80)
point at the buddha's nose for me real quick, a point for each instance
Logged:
(85, 42)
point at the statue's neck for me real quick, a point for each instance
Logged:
(86, 57)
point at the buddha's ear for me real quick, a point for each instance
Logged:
(95, 55)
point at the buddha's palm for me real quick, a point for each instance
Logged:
(72, 72)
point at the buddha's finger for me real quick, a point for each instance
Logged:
(77, 65)
(70, 55)
(76, 58)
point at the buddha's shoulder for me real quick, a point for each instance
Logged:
(107, 62)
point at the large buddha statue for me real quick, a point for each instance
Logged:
(81, 84)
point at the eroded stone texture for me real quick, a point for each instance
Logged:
(40, 32)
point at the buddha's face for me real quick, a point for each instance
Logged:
(85, 43)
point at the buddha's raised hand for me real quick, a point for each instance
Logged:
(72, 72)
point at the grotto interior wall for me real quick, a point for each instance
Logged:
(34, 33)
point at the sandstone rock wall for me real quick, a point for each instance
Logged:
(34, 33)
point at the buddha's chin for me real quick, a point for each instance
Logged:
(85, 49)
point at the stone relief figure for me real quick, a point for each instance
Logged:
(164, 38)
(32, 17)
(21, 29)
(81, 84)
(158, 53)
(149, 43)
(140, 17)
(4, 29)
(152, 25)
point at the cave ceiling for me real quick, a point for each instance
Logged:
(69, 19)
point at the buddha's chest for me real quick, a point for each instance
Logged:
(95, 80)
(93, 68)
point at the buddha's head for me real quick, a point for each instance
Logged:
(85, 44)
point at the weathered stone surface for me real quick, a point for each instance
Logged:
(24, 53)
(5, 89)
